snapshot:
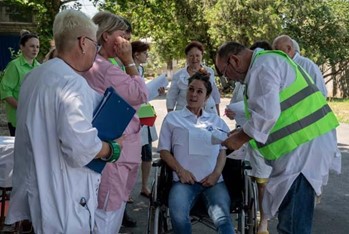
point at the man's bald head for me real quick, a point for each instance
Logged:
(285, 44)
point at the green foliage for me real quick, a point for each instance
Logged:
(44, 12)
(320, 26)
(169, 24)
(319, 31)
(341, 109)
(14, 54)
(323, 36)
(243, 21)
(154, 67)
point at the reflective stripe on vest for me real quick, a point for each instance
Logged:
(305, 114)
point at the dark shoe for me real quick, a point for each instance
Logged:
(145, 194)
(130, 200)
(127, 221)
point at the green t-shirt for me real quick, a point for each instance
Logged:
(12, 81)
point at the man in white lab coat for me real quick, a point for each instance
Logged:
(287, 45)
(290, 124)
(55, 139)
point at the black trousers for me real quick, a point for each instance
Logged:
(12, 129)
(233, 178)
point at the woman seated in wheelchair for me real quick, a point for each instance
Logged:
(186, 147)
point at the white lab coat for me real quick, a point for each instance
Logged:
(313, 70)
(266, 77)
(259, 168)
(176, 95)
(54, 141)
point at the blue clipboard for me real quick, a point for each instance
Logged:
(111, 118)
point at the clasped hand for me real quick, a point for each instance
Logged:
(186, 177)
(234, 140)
(230, 114)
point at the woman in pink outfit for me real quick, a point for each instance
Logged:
(118, 178)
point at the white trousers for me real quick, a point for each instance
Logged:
(109, 222)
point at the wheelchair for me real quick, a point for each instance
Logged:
(242, 191)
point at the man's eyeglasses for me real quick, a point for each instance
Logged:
(98, 47)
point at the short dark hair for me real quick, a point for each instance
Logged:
(204, 76)
(26, 36)
(139, 46)
(230, 48)
(194, 44)
(261, 44)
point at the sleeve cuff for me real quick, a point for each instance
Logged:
(254, 134)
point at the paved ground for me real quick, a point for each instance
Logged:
(331, 215)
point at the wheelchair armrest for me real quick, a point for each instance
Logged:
(246, 165)
(158, 163)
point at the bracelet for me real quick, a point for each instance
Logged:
(115, 152)
(130, 65)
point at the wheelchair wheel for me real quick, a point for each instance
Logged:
(251, 208)
(241, 222)
(247, 216)
(158, 221)
(153, 220)
(158, 213)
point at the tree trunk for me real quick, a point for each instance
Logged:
(335, 84)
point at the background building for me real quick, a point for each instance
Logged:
(12, 21)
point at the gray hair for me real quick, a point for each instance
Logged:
(230, 48)
(109, 23)
(296, 46)
(68, 26)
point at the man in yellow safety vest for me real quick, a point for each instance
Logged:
(290, 124)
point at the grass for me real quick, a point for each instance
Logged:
(341, 108)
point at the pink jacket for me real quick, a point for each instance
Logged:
(133, 89)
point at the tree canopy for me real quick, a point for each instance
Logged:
(319, 26)
(44, 12)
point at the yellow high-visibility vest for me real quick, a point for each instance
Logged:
(305, 114)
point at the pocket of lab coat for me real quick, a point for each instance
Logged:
(83, 216)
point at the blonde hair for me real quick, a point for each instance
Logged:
(68, 26)
(109, 23)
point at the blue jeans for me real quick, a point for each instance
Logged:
(183, 197)
(297, 209)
